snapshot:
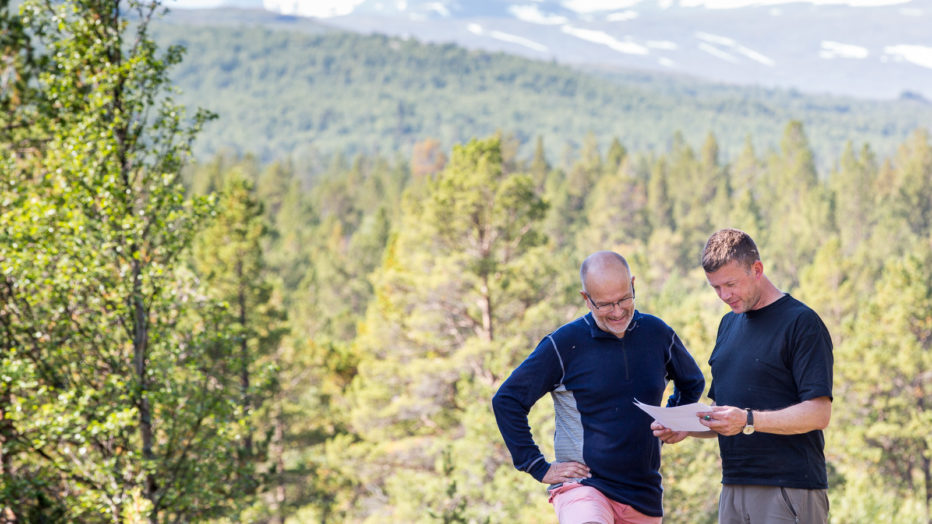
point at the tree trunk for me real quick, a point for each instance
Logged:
(278, 453)
(926, 465)
(244, 357)
(140, 358)
(6, 428)
(485, 304)
(6, 513)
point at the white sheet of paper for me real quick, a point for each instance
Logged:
(679, 418)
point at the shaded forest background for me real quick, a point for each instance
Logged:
(249, 336)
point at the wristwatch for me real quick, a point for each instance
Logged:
(749, 427)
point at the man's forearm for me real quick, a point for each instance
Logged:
(804, 417)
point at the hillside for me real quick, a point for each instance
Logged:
(867, 49)
(284, 86)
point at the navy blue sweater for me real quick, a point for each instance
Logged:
(594, 377)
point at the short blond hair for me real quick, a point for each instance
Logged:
(726, 245)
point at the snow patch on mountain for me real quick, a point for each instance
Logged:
(312, 8)
(914, 54)
(738, 4)
(533, 15)
(717, 53)
(439, 8)
(622, 16)
(664, 45)
(832, 49)
(601, 37)
(710, 40)
(477, 29)
(194, 4)
(598, 6)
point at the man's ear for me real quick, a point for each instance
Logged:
(757, 268)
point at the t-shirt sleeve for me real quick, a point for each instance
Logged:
(812, 358)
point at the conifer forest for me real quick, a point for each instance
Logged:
(249, 336)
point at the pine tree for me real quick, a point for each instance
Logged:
(745, 173)
(795, 206)
(539, 167)
(884, 374)
(228, 257)
(905, 192)
(850, 185)
(465, 267)
(616, 214)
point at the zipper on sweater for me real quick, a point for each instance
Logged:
(624, 355)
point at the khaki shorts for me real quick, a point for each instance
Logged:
(743, 504)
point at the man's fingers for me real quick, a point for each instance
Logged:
(564, 471)
(660, 431)
(724, 420)
(577, 471)
(666, 434)
(571, 470)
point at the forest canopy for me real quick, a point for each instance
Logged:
(243, 336)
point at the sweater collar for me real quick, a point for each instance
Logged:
(596, 332)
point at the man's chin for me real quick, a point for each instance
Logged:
(620, 326)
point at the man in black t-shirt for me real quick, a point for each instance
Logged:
(772, 387)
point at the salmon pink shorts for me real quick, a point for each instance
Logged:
(576, 504)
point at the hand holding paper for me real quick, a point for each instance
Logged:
(679, 418)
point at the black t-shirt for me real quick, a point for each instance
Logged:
(769, 359)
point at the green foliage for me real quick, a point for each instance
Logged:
(147, 370)
(228, 256)
(113, 408)
(889, 389)
(451, 294)
(284, 87)
(430, 354)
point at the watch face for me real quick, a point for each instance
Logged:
(748, 430)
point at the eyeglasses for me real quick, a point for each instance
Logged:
(610, 306)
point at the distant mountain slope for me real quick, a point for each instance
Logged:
(284, 85)
(866, 48)
(878, 50)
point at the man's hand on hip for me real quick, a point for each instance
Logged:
(566, 471)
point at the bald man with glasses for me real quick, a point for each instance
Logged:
(607, 463)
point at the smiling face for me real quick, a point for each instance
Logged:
(738, 285)
(609, 294)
